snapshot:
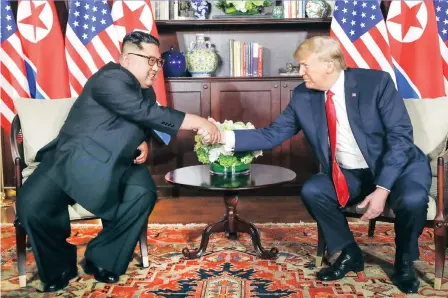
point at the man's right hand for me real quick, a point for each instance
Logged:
(210, 133)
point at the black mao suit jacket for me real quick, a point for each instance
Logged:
(98, 141)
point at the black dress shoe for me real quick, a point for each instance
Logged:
(100, 274)
(61, 281)
(405, 277)
(349, 260)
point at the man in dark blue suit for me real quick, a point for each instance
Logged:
(359, 130)
(93, 162)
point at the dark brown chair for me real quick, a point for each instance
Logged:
(439, 223)
(18, 157)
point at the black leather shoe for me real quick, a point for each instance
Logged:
(348, 261)
(405, 277)
(100, 274)
(61, 281)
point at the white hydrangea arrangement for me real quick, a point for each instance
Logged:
(215, 153)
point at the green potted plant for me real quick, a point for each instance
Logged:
(243, 7)
(220, 161)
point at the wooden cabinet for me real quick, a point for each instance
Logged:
(258, 101)
(191, 97)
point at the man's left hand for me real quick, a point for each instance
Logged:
(376, 201)
(143, 153)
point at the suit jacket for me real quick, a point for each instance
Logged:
(377, 117)
(99, 139)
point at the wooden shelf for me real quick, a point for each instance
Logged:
(245, 79)
(242, 23)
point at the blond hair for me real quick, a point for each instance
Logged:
(326, 47)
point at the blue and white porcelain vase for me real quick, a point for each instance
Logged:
(201, 9)
(202, 60)
(175, 64)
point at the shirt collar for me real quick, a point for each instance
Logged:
(338, 87)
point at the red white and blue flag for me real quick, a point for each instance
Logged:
(361, 31)
(441, 7)
(43, 48)
(415, 49)
(13, 78)
(91, 41)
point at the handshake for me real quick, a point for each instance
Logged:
(210, 132)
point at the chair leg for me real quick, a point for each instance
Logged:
(439, 243)
(372, 224)
(144, 246)
(21, 252)
(321, 248)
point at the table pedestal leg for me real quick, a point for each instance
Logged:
(231, 224)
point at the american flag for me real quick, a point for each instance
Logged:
(361, 30)
(13, 76)
(441, 7)
(91, 41)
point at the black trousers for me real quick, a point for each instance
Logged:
(42, 208)
(408, 199)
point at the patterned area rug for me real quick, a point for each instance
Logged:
(229, 269)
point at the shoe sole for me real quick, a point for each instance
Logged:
(74, 275)
(358, 268)
(92, 272)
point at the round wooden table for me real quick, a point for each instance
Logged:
(200, 177)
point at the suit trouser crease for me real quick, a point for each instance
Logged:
(120, 236)
(408, 200)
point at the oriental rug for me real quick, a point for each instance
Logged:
(230, 269)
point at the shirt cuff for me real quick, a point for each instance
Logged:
(383, 188)
(230, 141)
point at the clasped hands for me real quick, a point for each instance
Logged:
(210, 132)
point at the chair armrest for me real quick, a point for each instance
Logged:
(18, 173)
(442, 186)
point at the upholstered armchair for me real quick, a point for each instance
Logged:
(41, 122)
(429, 119)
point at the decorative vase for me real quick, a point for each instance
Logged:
(218, 169)
(201, 9)
(317, 9)
(175, 63)
(231, 181)
(202, 60)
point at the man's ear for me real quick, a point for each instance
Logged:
(330, 66)
(124, 59)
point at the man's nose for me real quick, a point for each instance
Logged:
(301, 70)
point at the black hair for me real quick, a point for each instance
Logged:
(139, 37)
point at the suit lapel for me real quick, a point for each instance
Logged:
(320, 121)
(352, 103)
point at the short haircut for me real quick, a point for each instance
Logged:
(326, 48)
(136, 38)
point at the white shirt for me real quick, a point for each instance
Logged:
(348, 154)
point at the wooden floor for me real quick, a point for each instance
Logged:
(186, 210)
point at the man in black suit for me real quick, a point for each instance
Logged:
(93, 162)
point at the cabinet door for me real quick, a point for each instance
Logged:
(296, 152)
(189, 97)
(257, 102)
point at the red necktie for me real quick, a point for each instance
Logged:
(340, 184)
